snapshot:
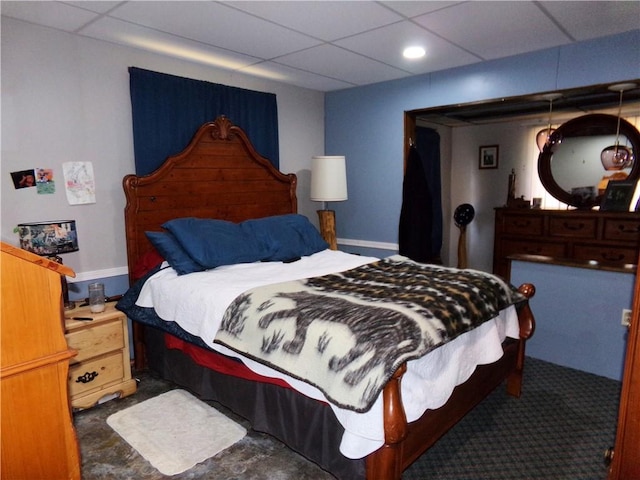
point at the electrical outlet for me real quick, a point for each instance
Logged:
(626, 317)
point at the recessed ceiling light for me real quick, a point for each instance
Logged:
(413, 52)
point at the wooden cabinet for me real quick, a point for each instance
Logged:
(38, 437)
(607, 238)
(102, 368)
(626, 453)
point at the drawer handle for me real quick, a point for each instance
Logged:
(523, 224)
(613, 258)
(623, 229)
(573, 226)
(87, 377)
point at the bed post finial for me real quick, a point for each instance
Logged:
(222, 128)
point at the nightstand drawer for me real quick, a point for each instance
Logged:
(95, 373)
(91, 342)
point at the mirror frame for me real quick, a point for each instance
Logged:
(586, 125)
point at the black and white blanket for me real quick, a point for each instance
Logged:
(347, 333)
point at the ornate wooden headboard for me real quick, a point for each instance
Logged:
(218, 175)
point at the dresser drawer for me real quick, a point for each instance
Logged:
(100, 339)
(95, 373)
(622, 230)
(604, 254)
(573, 227)
(523, 247)
(522, 225)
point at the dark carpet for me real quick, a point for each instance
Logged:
(559, 429)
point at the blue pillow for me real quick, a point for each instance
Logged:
(212, 243)
(286, 237)
(171, 250)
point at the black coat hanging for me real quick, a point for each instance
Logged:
(416, 215)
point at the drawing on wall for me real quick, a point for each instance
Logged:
(79, 182)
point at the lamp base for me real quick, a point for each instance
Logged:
(327, 220)
(68, 305)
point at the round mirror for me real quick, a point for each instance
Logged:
(570, 167)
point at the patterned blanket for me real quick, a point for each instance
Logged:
(347, 333)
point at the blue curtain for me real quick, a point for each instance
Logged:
(167, 110)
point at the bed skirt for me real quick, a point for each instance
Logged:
(312, 430)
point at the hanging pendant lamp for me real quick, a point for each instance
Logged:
(618, 157)
(543, 137)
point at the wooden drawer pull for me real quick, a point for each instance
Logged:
(523, 224)
(612, 258)
(573, 226)
(624, 229)
(87, 377)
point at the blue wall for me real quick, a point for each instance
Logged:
(366, 123)
(578, 316)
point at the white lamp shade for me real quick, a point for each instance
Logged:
(328, 179)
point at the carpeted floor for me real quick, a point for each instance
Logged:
(559, 429)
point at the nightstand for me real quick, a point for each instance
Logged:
(102, 368)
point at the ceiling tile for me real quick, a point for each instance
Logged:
(324, 20)
(50, 14)
(216, 24)
(128, 34)
(94, 6)
(413, 8)
(293, 76)
(587, 20)
(495, 29)
(386, 44)
(335, 62)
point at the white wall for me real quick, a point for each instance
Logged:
(486, 189)
(66, 98)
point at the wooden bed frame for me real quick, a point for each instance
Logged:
(220, 175)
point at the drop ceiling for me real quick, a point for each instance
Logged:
(331, 45)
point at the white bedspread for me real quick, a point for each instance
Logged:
(197, 303)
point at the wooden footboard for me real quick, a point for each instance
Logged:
(405, 442)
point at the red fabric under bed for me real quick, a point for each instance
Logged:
(218, 362)
(201, 356)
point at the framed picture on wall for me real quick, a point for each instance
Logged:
(617, 196)
(488, 157)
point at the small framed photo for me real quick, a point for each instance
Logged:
(618, 195)
(488, 157)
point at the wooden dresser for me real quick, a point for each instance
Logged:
(102, 368)
(610, 239)
(38, 437)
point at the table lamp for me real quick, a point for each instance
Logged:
(51, 239)
(328, 184)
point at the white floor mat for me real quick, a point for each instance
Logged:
(175, 431)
